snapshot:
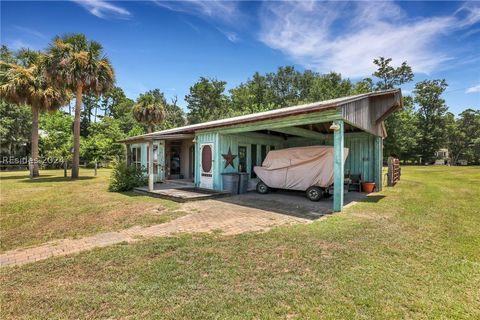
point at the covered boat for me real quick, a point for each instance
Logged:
(298, 168)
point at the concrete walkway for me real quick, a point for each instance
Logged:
(206, 216)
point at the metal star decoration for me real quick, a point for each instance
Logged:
(229, 157)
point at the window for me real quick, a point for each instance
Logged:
(272, 148)
(155, 163)
(155, 153)
(253, 159)
(206, 160)
(148, 159)
(136, 156)
(133, 154)
(263, 153)
(242, 159)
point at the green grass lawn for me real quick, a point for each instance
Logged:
(413, 251)
(53, 207)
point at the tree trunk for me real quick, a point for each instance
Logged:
(76, 133)
(34, 159)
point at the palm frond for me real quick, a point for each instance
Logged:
(149, 110)
(73, 60)
(25, 83)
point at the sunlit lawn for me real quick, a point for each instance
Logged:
(53, 207)
(412, 252)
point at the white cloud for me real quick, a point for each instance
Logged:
(230, 35)
(469, 14)
(346, 37)
(103, 9)
(18, 44)
(30, 31)
(223, 10)
(474, 89)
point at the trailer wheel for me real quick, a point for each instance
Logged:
(314, 193)
(262, 188)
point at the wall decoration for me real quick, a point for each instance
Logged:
(229, 157)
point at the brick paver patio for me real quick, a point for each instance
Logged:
(206, 216)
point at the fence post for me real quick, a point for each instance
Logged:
(390, 172)
(394, 171)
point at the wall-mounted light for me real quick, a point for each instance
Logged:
(334, 126)
(194, 140)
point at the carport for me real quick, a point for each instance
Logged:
(240, 143)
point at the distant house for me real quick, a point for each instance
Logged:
(202, 152)
(442, 157)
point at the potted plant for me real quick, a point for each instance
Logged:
(368, 186)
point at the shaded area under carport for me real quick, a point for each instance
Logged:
(293, 203)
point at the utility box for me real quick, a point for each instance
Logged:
(243, 183)
(231, 182)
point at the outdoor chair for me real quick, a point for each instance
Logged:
(355, 182)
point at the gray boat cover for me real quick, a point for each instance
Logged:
(298, 168)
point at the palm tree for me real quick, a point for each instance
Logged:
(149, 110)
(79, 65)
(23, 82)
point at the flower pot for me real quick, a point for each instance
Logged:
(368, 187)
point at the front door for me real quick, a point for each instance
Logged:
(206, 166)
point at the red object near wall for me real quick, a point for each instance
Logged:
(368, 187)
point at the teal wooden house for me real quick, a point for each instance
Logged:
(202, 152)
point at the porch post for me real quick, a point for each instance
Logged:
(338, 167)
(150, 165)
(378, 165)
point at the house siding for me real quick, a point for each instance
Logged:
(221, 143)
(246, 139)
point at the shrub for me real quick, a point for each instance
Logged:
(125, 177)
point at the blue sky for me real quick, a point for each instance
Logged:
(169, 45)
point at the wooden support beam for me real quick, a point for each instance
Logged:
(296, 131)
(338, 167)
(378, 163)
(387, 113)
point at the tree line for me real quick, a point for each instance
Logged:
(63, 103)
(415, 133)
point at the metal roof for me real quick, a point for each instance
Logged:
(259, 116)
